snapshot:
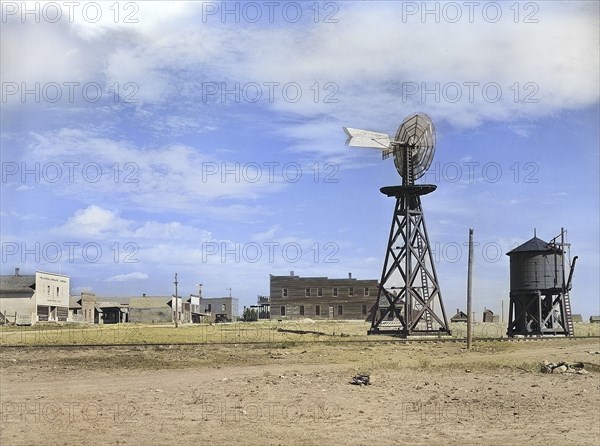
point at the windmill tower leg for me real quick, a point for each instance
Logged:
(409, 300)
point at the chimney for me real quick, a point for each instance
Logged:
(458, 311)
(291, 273)
(16, 271)
(349, 275)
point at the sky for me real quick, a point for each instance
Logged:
(140, 140)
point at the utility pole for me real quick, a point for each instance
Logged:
(176, 303)
(469, 289)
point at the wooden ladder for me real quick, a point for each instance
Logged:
(568, 317)
(424, 284)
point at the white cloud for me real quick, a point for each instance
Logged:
(170, 177)
(128, 277)
(267, 235)
(95, 222)
(170, 52)
(171, 231)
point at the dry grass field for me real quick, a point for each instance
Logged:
(291, 386)
(256, 332)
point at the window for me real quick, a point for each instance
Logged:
(209, 308)
(57, 291)
(282, 310)
(340, 310)
(48, 290)
(335, 292)
(301, 310)
(364, 310)
(319, 292)
(350, 291)
(317, 310)
(284, 292)
(366, 291)
(307, 292)
(223, 307)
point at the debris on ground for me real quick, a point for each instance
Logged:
(362, 379)
(562, 367)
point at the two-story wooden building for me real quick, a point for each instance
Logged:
(31, 298)
(295, 297)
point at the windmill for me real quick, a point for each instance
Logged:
(409, 300)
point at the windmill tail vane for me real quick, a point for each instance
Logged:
(373, 140)
(367, 139)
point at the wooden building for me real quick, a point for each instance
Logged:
(460, 316)
(112, 312)
(27, 299)
(262, 307)
(295, 297)
(83, 308)
(151, 310)
(489, 316)
(219, 309)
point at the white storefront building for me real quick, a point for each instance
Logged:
(27, 299)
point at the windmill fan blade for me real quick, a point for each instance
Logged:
(366, 138)
(418, 130)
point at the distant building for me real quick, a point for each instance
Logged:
(88, 307)
(595, 319)
(27, 299)
(295, 297)
(262, 307)
(489, 316)
(149, 310)
(219, 309)
(83, 308)
(577, 318)
(459, 316)
(195, 313)
(111, 312)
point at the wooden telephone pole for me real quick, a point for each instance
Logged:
(469, 289)
(176, 303)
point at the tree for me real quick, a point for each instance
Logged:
(250, 315)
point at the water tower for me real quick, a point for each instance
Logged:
(539, 294)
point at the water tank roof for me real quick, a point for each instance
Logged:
(533, 245)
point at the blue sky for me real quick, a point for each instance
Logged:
(178, 138)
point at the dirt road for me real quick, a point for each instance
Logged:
(421, 394)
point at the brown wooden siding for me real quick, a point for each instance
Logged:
(353, 305)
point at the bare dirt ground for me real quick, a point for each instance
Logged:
(299, 394)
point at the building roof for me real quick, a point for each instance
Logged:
(150, 302)
(533, 245)
(219, 298)
(17, 283)
(109, 304)
(458, 316)
(74, 302)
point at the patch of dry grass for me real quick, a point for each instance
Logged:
(288, 333)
